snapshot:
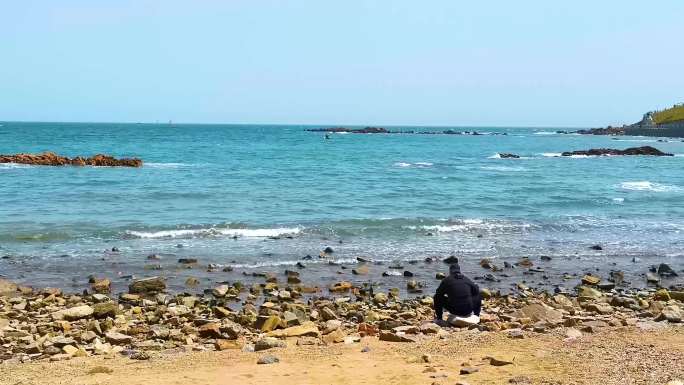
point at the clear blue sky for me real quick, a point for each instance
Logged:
(541, 63)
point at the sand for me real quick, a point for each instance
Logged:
(617, 356)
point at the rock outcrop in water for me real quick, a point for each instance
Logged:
(645, 150)
(52, 159)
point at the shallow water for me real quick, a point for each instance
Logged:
(223, 191)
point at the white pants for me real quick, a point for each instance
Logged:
(463, 322)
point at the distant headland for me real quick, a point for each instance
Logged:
(665, 123)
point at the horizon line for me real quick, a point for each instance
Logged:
(172, 123)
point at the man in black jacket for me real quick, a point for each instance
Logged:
(460, 297)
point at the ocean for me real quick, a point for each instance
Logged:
(263, 197)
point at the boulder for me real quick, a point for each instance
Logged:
(308, 329)
(539, 312)
(394, 337)
(117, 338)
(644, 150)
(268, 343)
(73, 313)
(105, 309)
(150, 285)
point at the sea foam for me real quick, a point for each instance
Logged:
(647, 186)
(191, 233)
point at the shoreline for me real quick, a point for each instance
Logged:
(46, 325)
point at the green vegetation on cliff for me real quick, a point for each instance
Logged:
(668, 115)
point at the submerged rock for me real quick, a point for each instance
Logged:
(644, 150)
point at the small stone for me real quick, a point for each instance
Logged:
(268, 359)
(468, 370)
(105, 309)
(100, 370)
(497, 362)
(150, 285)
(187, 261)
(268, 343)
(519, 380)
(117, 338)
(192, 282)
(394, 337)
(440, 276)
(223, 344)
(591, 280)
(73, 313)
(140, 355)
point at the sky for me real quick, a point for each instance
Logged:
(455, 63)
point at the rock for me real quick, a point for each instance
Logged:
(192, 282)
(586, 292)
(662, 295)
(150, 285)
(336, 336)
(505, 155)
(99, 370)
(644, 150)
(105, 309)
(102, 286)
(220, 291)
(268, 343)
(591, 280)
(394, 337)
(519, 380)
(380, 298)
(73, 313)
(117, 338)
(440, 276)
(652, 278)
(430, 328)
(306, 329)
(210, 330)
(328, 250)
(664, 270)
(599, 307)
(596, 247)
(515, 333)
(223, 344)
(341, 287)
(468, 370)
(593, 326)
(267, 323)
(498, 362)
(671, 313)
(268, 359)
(187, 261)
(331, 326)
(361, 270)
(539, 312)
(52, 159)
(572, 333)
(139, 355)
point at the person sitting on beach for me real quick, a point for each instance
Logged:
(460, 297)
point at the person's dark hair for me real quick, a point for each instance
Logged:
(454, 269)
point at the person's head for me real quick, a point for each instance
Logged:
(454, 269)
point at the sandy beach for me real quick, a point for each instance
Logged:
(648, 355)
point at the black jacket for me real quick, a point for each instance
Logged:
(458, 295)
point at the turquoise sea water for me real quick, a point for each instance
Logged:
(221, 192)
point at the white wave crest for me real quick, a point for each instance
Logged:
(495, 156)
(551, 154)
(417, 164)
(471, 224)
(544, 133)
(8, 166)
(648, 186)
(190, 233)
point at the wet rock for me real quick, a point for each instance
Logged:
(440, 276)
(664, 270)
(505, 155)
(361, 270)
(187, 261)
(52, 159)
(596, 247)
(328, 250)
(150, 285)
(408, 273)
(652, 278)
(341, 287)
(644, 150)
(102, 286)
(591, 280)
(192, 282)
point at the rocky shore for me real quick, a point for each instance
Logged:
(381, 130)
(50, 325)
(52, 159)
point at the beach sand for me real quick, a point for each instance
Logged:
(614, 356)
